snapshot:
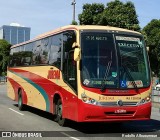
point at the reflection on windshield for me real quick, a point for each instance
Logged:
(97, 51)
(126, 68)
(132, 61)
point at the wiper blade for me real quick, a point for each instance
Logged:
(103, 85)
(130, 77)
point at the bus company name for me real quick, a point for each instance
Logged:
(108, 98)
(53, 74)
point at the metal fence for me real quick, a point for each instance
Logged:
(3, 79)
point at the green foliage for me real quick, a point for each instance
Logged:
(116, 14)
(152, 37)
(91, 14)
(74, 22)
(4, 55)
(4, 73)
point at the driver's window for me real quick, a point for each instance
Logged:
(69, 65)
(71, 71)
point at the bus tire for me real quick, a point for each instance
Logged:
(21, 106)
(58, 116)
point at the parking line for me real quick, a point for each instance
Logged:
(16, 111)
(70, 136)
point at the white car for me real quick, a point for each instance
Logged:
(157, 87)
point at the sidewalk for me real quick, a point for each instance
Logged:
(155, 113)
(155, 104)
(3, 87)
(3, 83)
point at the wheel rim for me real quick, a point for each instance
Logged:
(59, 113)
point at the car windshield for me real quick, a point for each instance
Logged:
(113, 61)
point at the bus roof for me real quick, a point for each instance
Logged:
(76, 27)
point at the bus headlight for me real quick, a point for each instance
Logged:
(88, 100)
(145, 100)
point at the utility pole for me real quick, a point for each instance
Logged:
(74, 9)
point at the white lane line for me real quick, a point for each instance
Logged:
(16, 111)
(70, 136)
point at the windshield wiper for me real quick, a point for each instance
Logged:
(130, 77)
(103, 85)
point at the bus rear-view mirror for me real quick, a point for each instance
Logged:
(76, 54)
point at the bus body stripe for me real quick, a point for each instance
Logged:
(39, 88)
(13, 83)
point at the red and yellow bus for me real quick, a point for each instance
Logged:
(83, 73)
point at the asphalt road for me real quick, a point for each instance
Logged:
(33, 120)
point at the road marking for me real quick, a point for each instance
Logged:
(69, 136)
(16, 111)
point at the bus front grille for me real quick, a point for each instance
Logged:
(115, 104)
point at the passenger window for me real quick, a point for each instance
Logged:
(55, 51)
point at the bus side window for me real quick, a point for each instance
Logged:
(36, 53)
(55, 51)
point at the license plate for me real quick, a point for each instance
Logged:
(119, 111)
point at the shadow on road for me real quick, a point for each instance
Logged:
(38, 112)
(125, 127)
(92, 129)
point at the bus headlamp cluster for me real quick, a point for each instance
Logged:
(145, 100)
(88, 100)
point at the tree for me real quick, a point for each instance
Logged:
(152, 35)
(4, 55)
(91, 13)
(74, 22)
(116, 14)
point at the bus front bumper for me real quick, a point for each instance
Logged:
(93, 113)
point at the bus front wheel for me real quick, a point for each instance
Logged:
(58, 116)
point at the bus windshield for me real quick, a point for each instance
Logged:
(113, 61)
